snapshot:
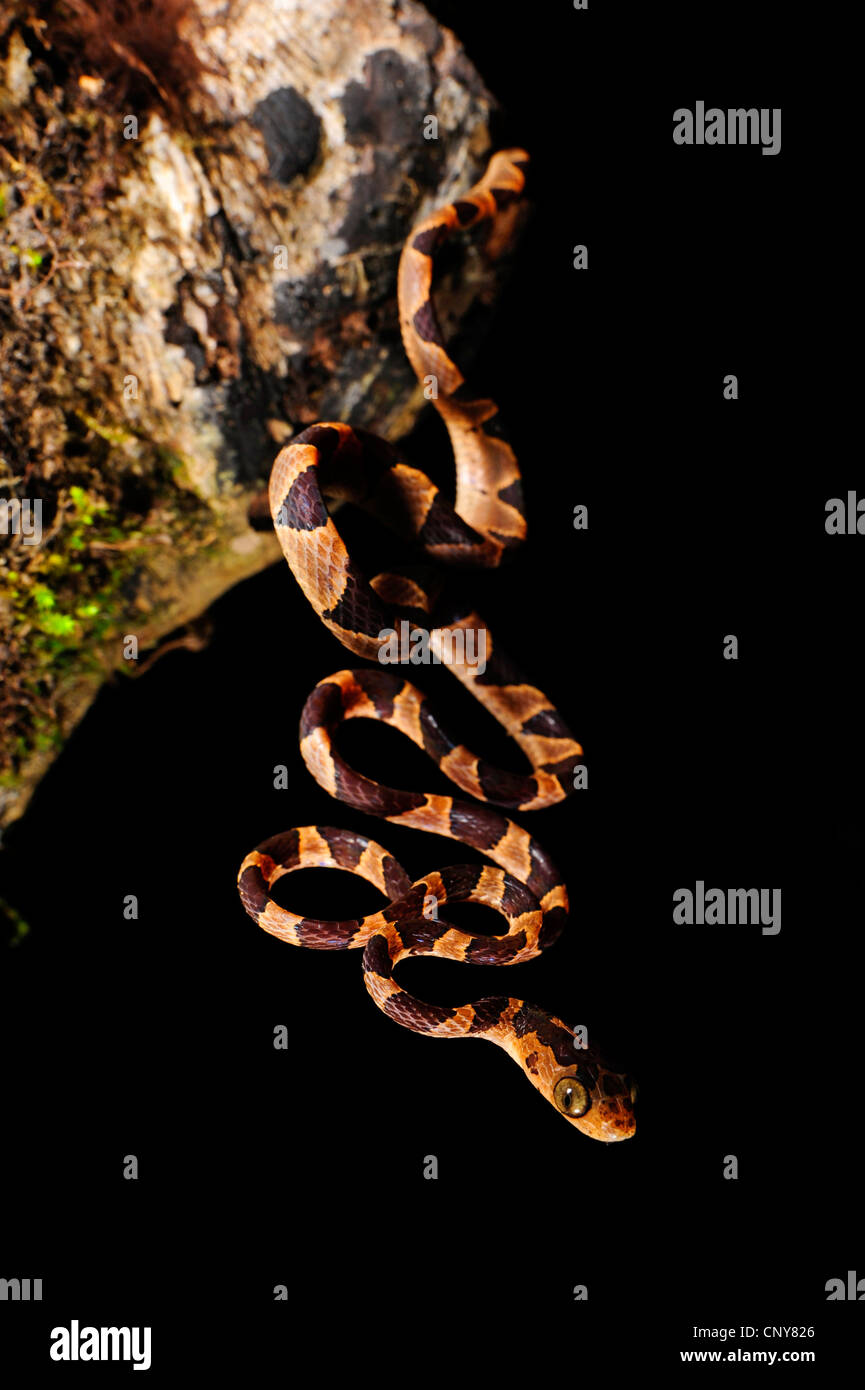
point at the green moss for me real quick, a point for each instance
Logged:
(113, 434)
(59, 625)
(33, 259)
(66, 599)
(42, 596)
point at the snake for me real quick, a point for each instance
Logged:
(336, 463)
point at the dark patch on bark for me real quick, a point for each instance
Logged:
(302, 305)
(386, 111)
(429, 34)
(291, 131)
(181, 334)
(384, 108)
(246, 450)
(378, 212)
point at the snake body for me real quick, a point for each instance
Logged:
(486, 521)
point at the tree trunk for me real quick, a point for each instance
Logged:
(202, 207)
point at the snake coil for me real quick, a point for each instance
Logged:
(485, 522)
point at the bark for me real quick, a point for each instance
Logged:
(202, 206)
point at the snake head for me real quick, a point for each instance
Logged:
(599, 1101)
(591, 1095)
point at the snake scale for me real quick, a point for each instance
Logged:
(486, 522)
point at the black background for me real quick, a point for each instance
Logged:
(706, 517)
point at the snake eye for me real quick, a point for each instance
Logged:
(571, 1096)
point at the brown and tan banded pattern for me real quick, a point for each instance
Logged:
(333, 461)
